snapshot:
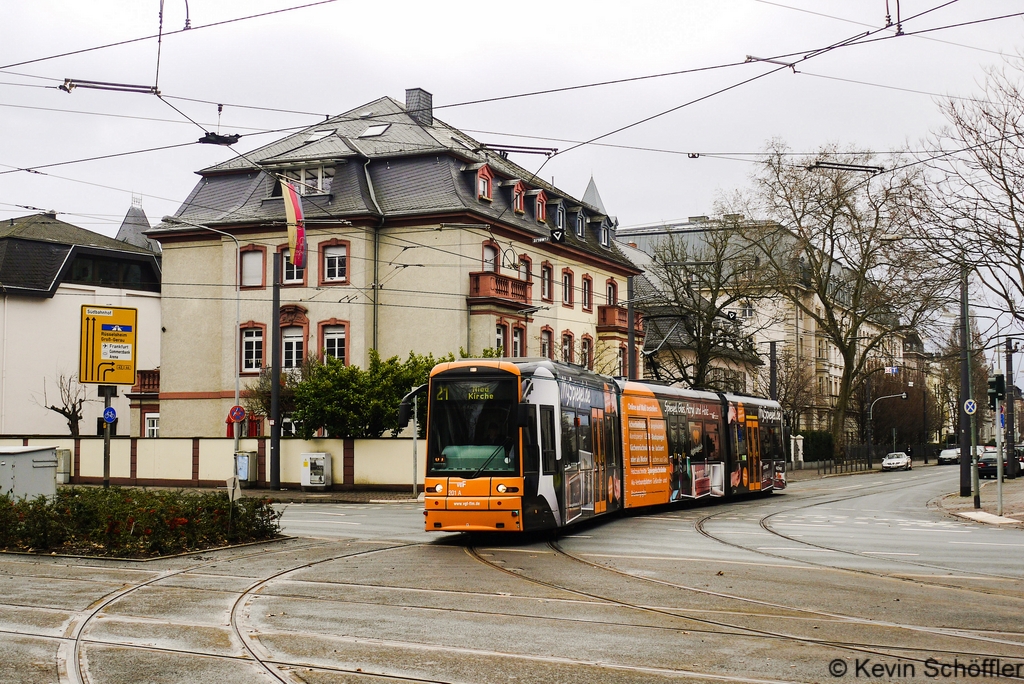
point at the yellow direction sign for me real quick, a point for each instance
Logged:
(107, 351)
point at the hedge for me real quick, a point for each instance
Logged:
(132, 522)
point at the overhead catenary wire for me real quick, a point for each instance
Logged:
(168, 33)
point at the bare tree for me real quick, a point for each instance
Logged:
(699, 296)
(976, 197)
(70, 400)
(794, 383)
(840, 248)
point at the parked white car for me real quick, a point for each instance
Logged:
(897, 460)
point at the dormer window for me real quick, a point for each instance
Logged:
(541, 207)
(519, 198)
(560, 218)
(310, 180)
(605, 234)
(581, 225)
(484, 183)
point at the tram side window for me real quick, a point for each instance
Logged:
(712, 441)
(770, 442)
(531, 449)
(569, 443)
(675, 438)
(698, 450)
(547, 439)
(583, 432)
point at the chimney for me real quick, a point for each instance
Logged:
(419, 104)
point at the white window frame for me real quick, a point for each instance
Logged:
(251, 360)
(568, 341)
(483, 186)
(152, 425)
(335, 258)
(501, 338)
(491, 258)
(253, 268)
(611, 293)
(560, 217)
(581, 225)
(588, 293)
(293, 346)
(586, 351)
(292, 275)
(335, 336)
(567, 288)
(310, 180)
(517, 342)
(546, 342)
(547, 274)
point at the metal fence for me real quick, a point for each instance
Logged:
(858, 457)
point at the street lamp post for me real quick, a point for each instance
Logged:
(238, 301)
(871, 412)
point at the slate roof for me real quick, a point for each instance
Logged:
(133, 226)
(36, 251)
(415, 170)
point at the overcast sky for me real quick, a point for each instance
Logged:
(326, 59)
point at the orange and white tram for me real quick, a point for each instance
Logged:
(533, 444)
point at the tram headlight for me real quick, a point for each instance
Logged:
(501, 488)
(439, 488)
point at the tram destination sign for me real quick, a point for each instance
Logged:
(108, 347)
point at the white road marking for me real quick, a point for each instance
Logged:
(294, 523)
(794, 548)
(985, 543)
(889, 553)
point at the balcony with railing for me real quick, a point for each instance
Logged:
(146, 381)
(500, 289)
(615, 319)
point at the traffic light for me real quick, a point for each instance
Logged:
(996, 389)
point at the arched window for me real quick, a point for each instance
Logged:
(612, 293)
(581, 225)
(491, 258)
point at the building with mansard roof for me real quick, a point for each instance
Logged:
(420, 238)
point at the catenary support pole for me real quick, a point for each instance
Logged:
(275, 379)
(773, 371)
(1013, 465)
(630, 333)
(966, 456)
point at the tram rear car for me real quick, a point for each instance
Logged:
(533, 445)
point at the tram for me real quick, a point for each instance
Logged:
(533, 444)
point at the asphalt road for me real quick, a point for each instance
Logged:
(842, 579)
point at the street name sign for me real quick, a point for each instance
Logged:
(107, 351)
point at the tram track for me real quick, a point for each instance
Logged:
(71, 659)
(731, 629)
(765, 525)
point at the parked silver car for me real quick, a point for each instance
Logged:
(949, 456)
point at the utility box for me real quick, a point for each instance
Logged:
(63, 466)
(28, 471)
(316, 472)
(246, 468)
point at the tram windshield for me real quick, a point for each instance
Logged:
(472, 428)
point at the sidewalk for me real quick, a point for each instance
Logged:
(963, 506)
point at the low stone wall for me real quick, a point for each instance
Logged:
(207, 462)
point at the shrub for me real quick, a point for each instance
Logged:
(132, 522)
(817, 445)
